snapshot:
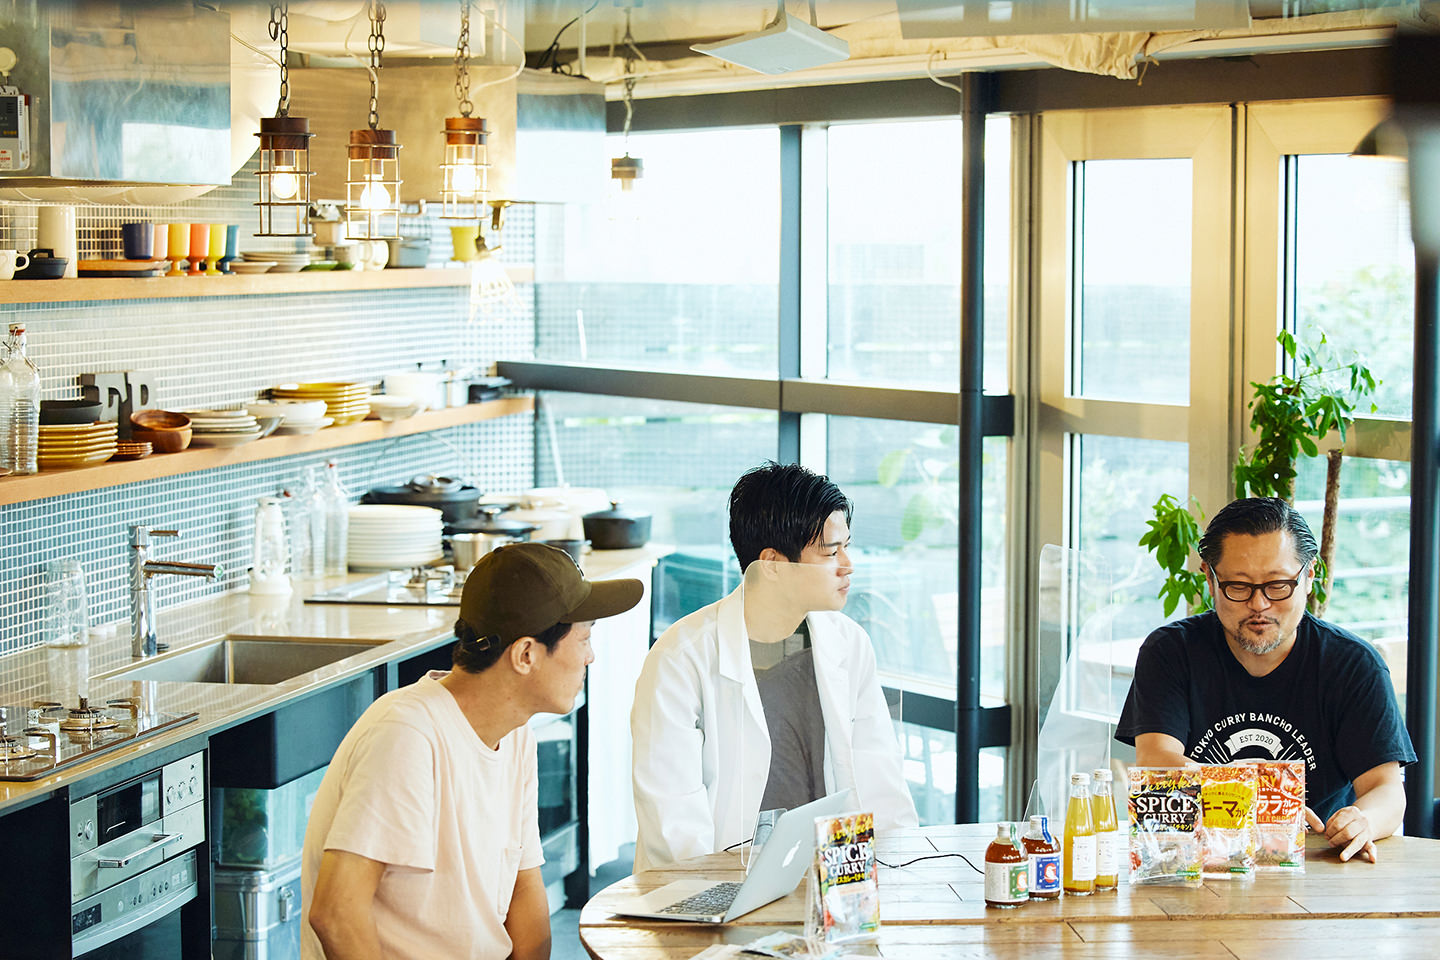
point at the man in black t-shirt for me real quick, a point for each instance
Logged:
(1259, 678)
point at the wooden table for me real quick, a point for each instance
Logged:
(936, 909)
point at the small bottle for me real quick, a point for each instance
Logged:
(337, 521)
(1107, 833)
(1006, 870)
(19, 406)
(1079, 858)
(1043, 851)
(272, 550)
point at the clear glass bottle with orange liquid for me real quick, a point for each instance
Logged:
(1006, 869)
(1107, 832)
(1079, 858)
(1043, 849)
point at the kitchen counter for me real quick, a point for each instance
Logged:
(394, 631)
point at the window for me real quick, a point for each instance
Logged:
(681, 274)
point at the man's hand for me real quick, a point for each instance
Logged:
(1349, 828)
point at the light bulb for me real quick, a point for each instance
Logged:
(374, 196)
(284, 184)
(463, 179)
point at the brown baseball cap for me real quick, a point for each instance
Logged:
(522, 589)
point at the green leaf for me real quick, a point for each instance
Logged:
(891, 466)
(917, 514)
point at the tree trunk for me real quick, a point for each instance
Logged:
(1327, 525)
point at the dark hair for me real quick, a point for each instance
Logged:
(1254, 516)
(783, 506)
(477, 654)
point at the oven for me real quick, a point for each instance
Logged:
(135, 850)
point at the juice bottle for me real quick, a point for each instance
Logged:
(1079, 857)
(1006, 867)
(1107, 833)
(1043, 850)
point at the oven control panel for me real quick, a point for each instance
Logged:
(182, 783)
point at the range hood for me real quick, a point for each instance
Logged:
(120, 93)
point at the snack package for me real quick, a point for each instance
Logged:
(1164, 812)
(847, 879)
(1280, 815)
(788, 946)
(1227, 820)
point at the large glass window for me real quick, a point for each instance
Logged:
(893, 261)
(682, 273)
(1132, 296)
(1354, 266)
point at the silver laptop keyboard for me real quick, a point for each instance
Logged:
(708, 902)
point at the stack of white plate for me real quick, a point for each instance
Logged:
(284, 262)
(384, 536)
(298, 416)
(222, 428)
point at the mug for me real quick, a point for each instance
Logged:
(10, 261)
(463, 239)
(139, 240)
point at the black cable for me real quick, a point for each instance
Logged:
(932, 856)
(553, 51)
(739, 844)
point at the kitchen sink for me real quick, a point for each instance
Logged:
(235, 660)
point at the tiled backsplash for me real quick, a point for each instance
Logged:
(220, 352)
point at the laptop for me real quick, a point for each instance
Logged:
(778, 867)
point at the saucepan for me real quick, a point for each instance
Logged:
(466, 549)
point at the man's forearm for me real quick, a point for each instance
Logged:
(1384, 807)
(349, 940)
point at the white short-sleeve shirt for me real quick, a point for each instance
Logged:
(413, 786)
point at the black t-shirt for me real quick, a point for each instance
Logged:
(1330, 703)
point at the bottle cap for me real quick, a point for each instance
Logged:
(1002, 829)
(1102, 775)
(1038, 821)
(1076, 778)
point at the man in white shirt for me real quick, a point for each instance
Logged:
(768, 698)
(424, 839)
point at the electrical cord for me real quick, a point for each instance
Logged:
(552, 52)
(892, 866)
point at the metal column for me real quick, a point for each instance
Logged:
(974, 100)
(1424, 552)
(788, 446)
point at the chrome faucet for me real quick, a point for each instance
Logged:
(142, 618)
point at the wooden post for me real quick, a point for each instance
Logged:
(1327, 524)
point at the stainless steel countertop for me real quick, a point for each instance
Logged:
(395, 631)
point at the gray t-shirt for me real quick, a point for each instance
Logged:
(785, 674)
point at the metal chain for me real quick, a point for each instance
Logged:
(377, 51)
(462, 61)
(631, 58)
(280, 30)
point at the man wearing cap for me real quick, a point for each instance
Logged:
(423, 840)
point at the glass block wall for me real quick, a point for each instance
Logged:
(220, 352)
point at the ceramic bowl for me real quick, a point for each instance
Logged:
(163, 441)
(160, 420)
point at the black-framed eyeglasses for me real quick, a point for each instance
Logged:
(1240, 591)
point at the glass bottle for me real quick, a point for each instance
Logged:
(267, 573)
(1079, 857)
(307, 525)
(1107, 833)
(336, 508)
(1042, 849)
(19, 406)
(1006, 869)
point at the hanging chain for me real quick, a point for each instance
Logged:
(631, 58)
(280, 30)
(377, 50)
(462, 61)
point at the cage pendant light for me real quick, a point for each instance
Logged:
(284, 175)
(464, 166)
(372, 180)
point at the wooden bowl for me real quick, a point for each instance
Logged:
(162, 441)
(160, 420)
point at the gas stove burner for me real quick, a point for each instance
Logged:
(86, 718)
(16, 748)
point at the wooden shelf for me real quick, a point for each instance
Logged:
(235, 285)
(51, 483)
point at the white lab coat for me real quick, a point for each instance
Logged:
(701, 748)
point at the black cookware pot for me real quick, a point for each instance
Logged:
(44, 265)
(616, 528)
(454, 498)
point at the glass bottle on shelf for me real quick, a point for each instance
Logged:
(1079, 856)
(336, 508)
(1107, 833)
(19, 406)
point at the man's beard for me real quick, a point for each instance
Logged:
(1256, 647)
